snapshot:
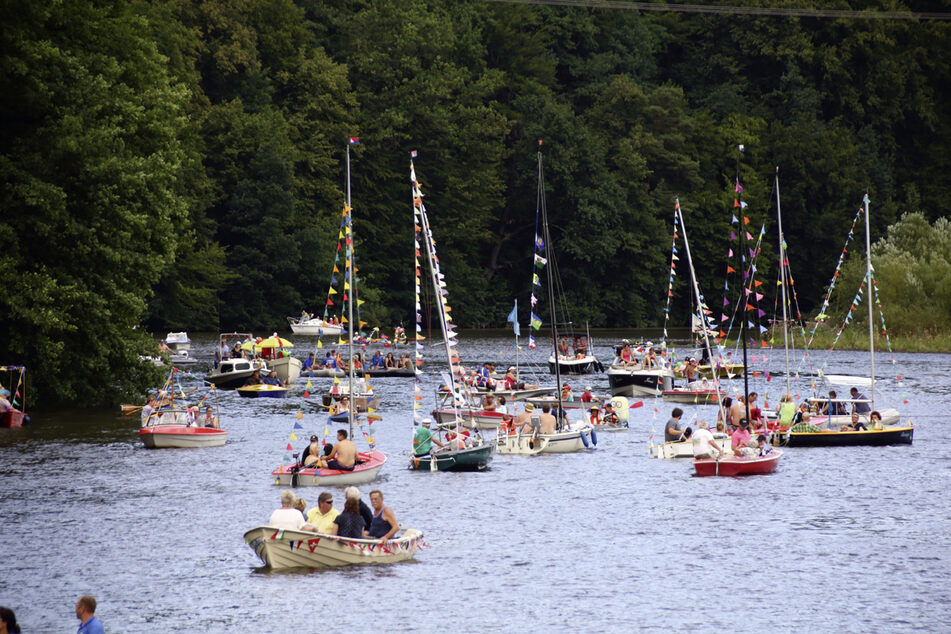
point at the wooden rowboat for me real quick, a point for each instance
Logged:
(366, 470)
(279, 548)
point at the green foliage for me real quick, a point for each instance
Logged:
(179, 163)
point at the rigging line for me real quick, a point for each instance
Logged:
(776, 12)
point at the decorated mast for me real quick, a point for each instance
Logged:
(551, 286)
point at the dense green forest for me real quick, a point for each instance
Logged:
(178, 164)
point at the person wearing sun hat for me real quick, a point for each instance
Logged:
(423, 439)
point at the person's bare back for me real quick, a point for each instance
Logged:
(346, 453)
(547, 424)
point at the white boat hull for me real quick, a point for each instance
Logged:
(174, 436)
(314, 328)
(362, 474)
(286, 368)
(637, 382)
(280, 549)
(569, 441)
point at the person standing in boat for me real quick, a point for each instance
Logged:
(383, 526)
(691, 371)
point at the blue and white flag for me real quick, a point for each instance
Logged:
(513, 319)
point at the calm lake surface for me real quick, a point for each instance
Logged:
(838, 539)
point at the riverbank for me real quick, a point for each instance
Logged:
(857, 339)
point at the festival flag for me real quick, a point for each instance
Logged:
(354, 140)
(513, 318)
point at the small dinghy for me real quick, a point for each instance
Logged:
(279, 548)
(262, 390)
(182, 436)
(738, 465)
(366, 470)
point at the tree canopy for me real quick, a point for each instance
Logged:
(178, 164)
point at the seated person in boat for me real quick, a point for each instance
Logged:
(742, 442)
(650, 360)
(512, 382)
(423, 439)
(272, 379)
(802, 415)
(311, 453)
(383, 526)
(704, 445)
(723, 416)
(321, 517)
(210, 420)
(287, 517)
(330, 361)
(376, 363)
(301, 505)
(594, 415)
(875, 420)
(762, 448)
(805, 427)
(566, 393)
(484, 378)
(524, 420)
(308, 365)
(254, 379)
(856, 425)
(720, 433)
(547, 422)
(672, 431)
(833, 407)
(502, 407)
(488, 403)
(389, 362)
(626, 355)
(350, 523)
(456, 441)
(860, 402)
(344, 454)
(404, 361)
(610, 417)
(586, 396)
(340, 407)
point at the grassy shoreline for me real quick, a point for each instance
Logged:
(927, 341)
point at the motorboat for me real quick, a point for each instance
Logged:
(262, 390)
(729, 465)
(314, 327)
(281, 548)
(366, 470)
(895, 435)
(183, 359)
(637, 381)
(234, 373)
(178, 341)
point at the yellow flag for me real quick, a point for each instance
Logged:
(370, 410)
(362, 324)
(340, 235)
(309, 384)
(343, 320)
(300, 414)
(336, 270)
(320, 344)
(346, 286)
(294, 436)
(419, 337)
(360, 302)
(332, 291)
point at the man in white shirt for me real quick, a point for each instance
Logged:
(703, 442)
(287, 517)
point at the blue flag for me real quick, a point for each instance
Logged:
(513, 319)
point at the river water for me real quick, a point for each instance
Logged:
(838, 539)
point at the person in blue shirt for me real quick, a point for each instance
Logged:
(85, 612)
(377, 361)
(331, 360)
(308, 363)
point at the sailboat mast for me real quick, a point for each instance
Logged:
(746, 298)
(703, 321)
(782, 277)
(551, 285)
(868, 293)
(353, 287)
(428, 243)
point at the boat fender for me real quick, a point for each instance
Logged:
(584, 439)
(594, 437)
(432, 463)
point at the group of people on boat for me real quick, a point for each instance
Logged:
(573, 348)
(159, 410)
(330, 321)
(625, 357)
(333, 361)
(341, 456)
(356, 521)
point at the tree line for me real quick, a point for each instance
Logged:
(178, 164)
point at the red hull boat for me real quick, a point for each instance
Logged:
(12, 418)
(733, 466)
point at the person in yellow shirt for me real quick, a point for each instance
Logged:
(322, 516)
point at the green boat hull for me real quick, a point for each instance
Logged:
(474, 459)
